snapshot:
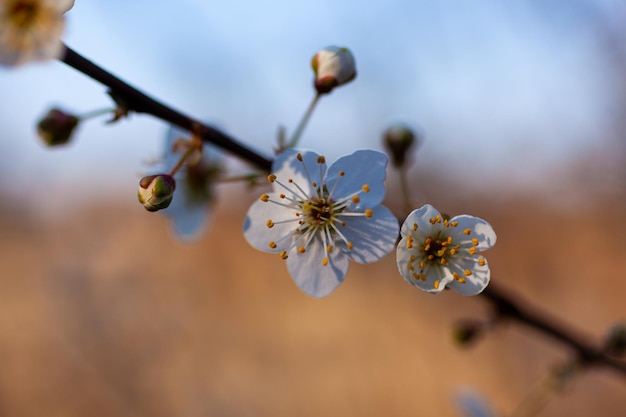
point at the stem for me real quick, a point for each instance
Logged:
(305, 119)
(404, 189)
(521, 311)
(139, 102)
(95, 113)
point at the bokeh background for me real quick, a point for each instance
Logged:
(521, 108)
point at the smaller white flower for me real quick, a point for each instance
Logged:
(333, 66)
(318, 218)
(435, 253)
(30, 30)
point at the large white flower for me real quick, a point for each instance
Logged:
(30, 30)
(435, 253)
(319, 217)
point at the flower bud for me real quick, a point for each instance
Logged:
(156, 191)
(466, 331)
(398, 140)
(56, 127)
(615, 341)
(333, 66)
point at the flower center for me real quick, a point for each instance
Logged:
(23, 13)
(318, 216)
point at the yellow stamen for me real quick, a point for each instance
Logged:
(265, 198)
(481, 262)
(325, 261)
(415, 227)
(283, 254)
(369, 213)
(349, 245)
(365, 188)
(301, 249)
(271, 178)
(269, 223)
(299, 156)
(356, 199)
(472, 251)
(467, 232)
(329, 248)
(321, 160)
(410, 267)
(436, 284)
(454, 224)
(474, 241)
(272, 244)
(467, 272)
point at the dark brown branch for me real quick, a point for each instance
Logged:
(508, 306)
(139, 102)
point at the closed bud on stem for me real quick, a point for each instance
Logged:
(156, 191)
(615, 341)
(333, 66)
(56, 127)
(466, 332)
(398, 140)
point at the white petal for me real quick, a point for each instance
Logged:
(479, 229)
(189, 219)
(255, 228)
(475, 283)
(311, 276)
(361, 167)
(373, 237)
(286, 166)
(421, 217)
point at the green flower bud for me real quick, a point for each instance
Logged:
(333, 66)
(156, 191)
(398, 140)
(56, 127)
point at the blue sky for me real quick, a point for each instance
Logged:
(503, 90)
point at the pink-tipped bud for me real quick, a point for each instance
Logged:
(333, 66)
(56, 127)
(156, 191)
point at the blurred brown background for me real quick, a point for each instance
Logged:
(104, 313)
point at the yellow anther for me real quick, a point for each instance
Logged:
(438, 219)
(329, 248)
(412, 258)
(271, 178)
(321, 160)
(467, 231)
(443, 261)
(446, 223)
(301, 249)
(436, 284)
(314, 184)
(415, 227)
(433, 220)
(472, 251)
(365, 188)
(474, 241)
(369, 213)
(441, 252)
(454, 224)
(431, 257)
(456, 276)
(409, 244)
(416, 276)
(411, 267)
(299, 156)
(422, 264)
(467, 272)
(272, 244)
(265, 198)
(423, 277)
(452, 251)
(449, 241)
(290, 180)
(349, 245)
(341, 173)
(427, 247)
(283, 254)
(269, 223)
(462, 280)
(481, 262)
(325, 261)
(356, 199)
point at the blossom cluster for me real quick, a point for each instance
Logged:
(319, 217)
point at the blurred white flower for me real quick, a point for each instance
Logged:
(30, 30)
(190, 212)
(333, 66)
(318, 217)
(435, 253)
